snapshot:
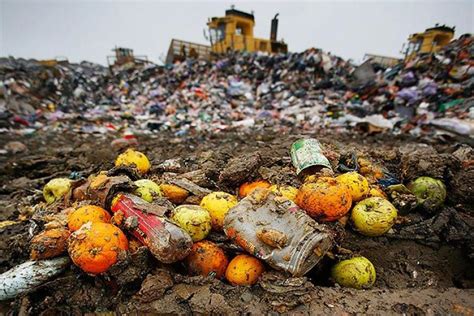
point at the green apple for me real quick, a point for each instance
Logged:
(429, 192)
(56, 189)
(358, 273)
(195, 220)
(373, 216)
(147, 190)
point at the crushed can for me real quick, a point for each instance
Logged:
(306, 154)
(276, 230)
(166, 241)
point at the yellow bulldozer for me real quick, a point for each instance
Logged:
(430, 41)
(233, 32)
(124, 58)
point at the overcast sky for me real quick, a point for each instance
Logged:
(88, 30)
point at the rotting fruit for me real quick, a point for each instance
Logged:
(49, 243)
(56, 189)
(174, 193)
(375, 190)
(357, 184)
(194, 219)
(133, 158)
(244, 270)
(95, 247)
(286, 191)
(87, 213)
(373, 216)
(325, 200)
(248, 187)
(429, 192)
(206, 258)
(358, 273)
(218, 204)
(147, 190)
(370, 170)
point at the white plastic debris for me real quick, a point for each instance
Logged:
(28, 275)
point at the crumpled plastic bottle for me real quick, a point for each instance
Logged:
(276, 230)
(146, 221)
(166, 241)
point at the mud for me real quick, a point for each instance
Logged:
(424, 264)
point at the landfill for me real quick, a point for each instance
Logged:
(249, 183)
(430, 95)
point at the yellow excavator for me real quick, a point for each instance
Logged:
(233, 32)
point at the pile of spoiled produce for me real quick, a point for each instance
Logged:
(240, 224)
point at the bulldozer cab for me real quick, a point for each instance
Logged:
(430, 41)
(123, 55)
(234, 32)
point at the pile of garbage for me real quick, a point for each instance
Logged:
(222, 220)
(430, 91)
(290, 229)
(430, 95)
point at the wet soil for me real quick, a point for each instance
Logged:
(424, 265)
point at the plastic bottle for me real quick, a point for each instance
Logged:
(146, 221)
(276, 230)
(166, 241)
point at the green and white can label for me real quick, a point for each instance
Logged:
(306, 153)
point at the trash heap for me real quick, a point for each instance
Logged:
(34, 93)
(102, 220)
(430, 95)
(234, 221)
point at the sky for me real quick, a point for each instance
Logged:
(88, 30)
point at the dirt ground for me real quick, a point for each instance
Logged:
(424, 265)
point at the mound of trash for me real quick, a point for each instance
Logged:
(250, 183)
(272, 229)
(429, 96)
